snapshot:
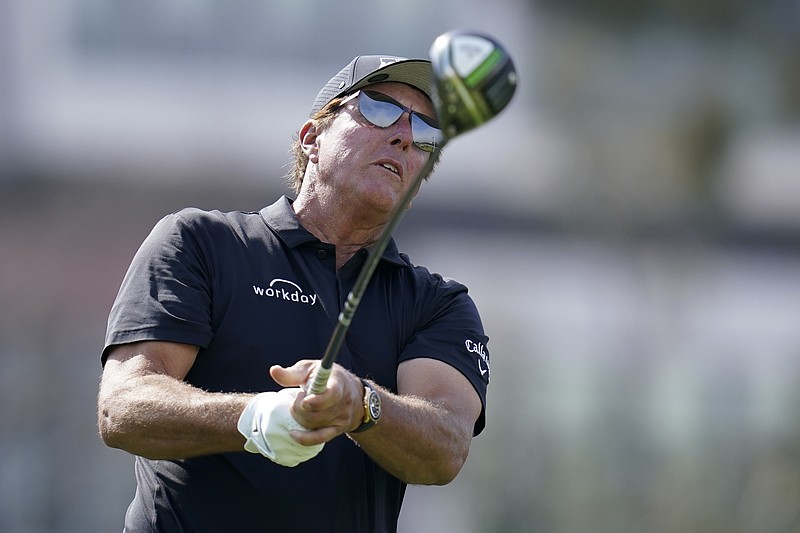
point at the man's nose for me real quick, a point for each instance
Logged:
(401, 131)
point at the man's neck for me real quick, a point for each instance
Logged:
(342, 226)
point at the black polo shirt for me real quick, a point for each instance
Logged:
(257, 289)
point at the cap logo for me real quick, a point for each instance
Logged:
(388, 61)
(378, 78)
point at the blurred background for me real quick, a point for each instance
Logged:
(629, 227)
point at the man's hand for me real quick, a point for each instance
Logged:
(327, 415)
(268, 426)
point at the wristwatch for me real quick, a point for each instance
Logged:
(372, 408)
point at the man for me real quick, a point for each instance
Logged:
(222, 316)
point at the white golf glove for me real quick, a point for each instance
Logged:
(266, 422)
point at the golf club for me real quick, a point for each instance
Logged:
(473, 80)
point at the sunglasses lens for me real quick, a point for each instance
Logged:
(426, 135)
(379, 112)
(382, 111)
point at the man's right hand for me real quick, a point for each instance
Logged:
(266, 423)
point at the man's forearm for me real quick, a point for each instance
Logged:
(160, 417)
(417, 441)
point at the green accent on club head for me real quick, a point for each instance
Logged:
(480, 73)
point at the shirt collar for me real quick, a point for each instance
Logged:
(281, 219)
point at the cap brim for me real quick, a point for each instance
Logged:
(414, 72)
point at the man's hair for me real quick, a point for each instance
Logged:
(323, 118)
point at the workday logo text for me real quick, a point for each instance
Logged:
(283, 289)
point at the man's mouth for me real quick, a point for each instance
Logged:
(390, 167)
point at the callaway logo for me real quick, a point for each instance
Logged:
(283, 289)
(482, 359)
(387, 61)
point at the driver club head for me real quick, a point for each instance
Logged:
(474, 79)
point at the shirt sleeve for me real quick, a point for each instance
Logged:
(166, 292)
(451, 331)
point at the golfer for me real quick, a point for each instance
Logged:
(221, 318)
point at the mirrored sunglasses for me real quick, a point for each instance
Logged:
(383, 111)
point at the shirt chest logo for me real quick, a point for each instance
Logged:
(283, 289)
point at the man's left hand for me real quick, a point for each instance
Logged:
(337, 410)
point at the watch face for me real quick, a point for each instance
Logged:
(374, 405)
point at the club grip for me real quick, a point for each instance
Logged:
(319, 380)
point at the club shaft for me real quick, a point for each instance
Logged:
(319, 379)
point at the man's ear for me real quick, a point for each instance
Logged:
(308, 140)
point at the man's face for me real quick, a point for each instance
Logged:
(369, 166)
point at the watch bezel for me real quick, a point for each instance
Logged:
(373, 404)
(372, 408)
